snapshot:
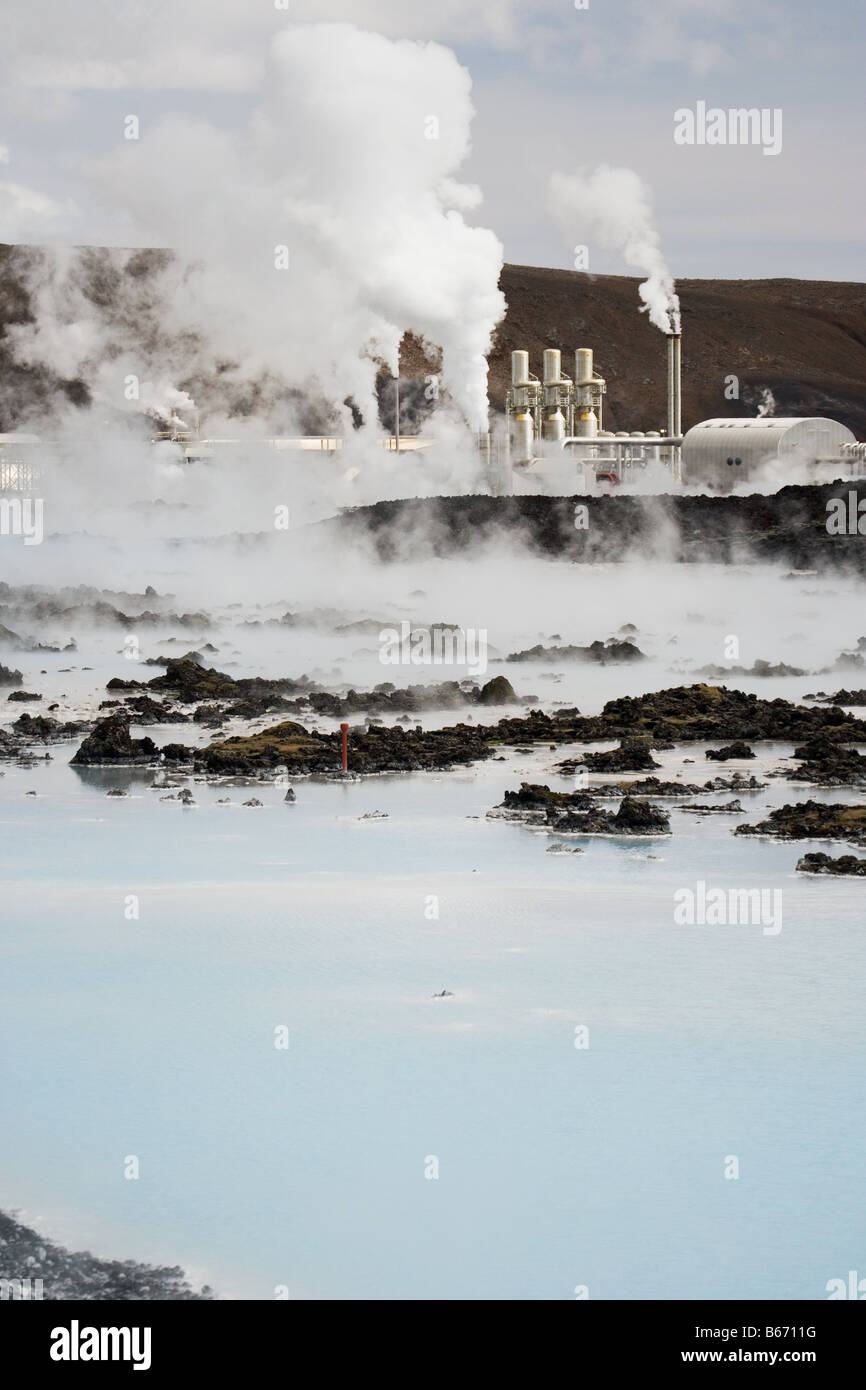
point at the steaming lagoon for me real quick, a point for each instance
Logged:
(303, 1168)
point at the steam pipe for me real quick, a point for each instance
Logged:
(626, 441)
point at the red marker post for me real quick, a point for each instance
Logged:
(344, 730)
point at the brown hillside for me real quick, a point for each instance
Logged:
(805, 340)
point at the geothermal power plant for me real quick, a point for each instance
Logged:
(551, 439)
(557, 415)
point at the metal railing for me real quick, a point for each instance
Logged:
(18, 476)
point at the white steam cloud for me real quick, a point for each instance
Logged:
(307, 243)
(25, 212)
(615, 206)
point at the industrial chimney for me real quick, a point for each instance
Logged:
(675, 385)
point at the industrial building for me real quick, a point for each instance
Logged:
(555, 442)
(555, 416)
(560, 415)
(718, 454)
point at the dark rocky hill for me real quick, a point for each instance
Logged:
(787, 528)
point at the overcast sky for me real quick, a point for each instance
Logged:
(554, 88)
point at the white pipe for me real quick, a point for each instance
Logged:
(603, 440)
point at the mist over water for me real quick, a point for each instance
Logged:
(307, 1168)
(269, 274)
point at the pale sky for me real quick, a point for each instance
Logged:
(554, 88)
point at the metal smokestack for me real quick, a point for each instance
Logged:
(675, 385)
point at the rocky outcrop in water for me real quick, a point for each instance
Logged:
(651, 786)
(577, 813)
(730, 750)
(829, 764)
(636, 817)
(536, 799)
(683, 714)
(184, 679)
(846, 864)
(842, 697)
(177, 753)
(628, 757)
(735, 783)
(763, 669)
(375, 749)
(708, 712)
(110, 743)
(89, 608)
(654, 787)
(660, 719)
(642, 786)
(40, 728)
(141, 709)
(187, 681)
(812, 820)
(8, 638)
(611, 653)
(497, 691)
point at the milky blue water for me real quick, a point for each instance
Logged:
(305, 1167)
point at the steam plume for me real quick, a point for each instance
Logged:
(614, 205)
(349, 162)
